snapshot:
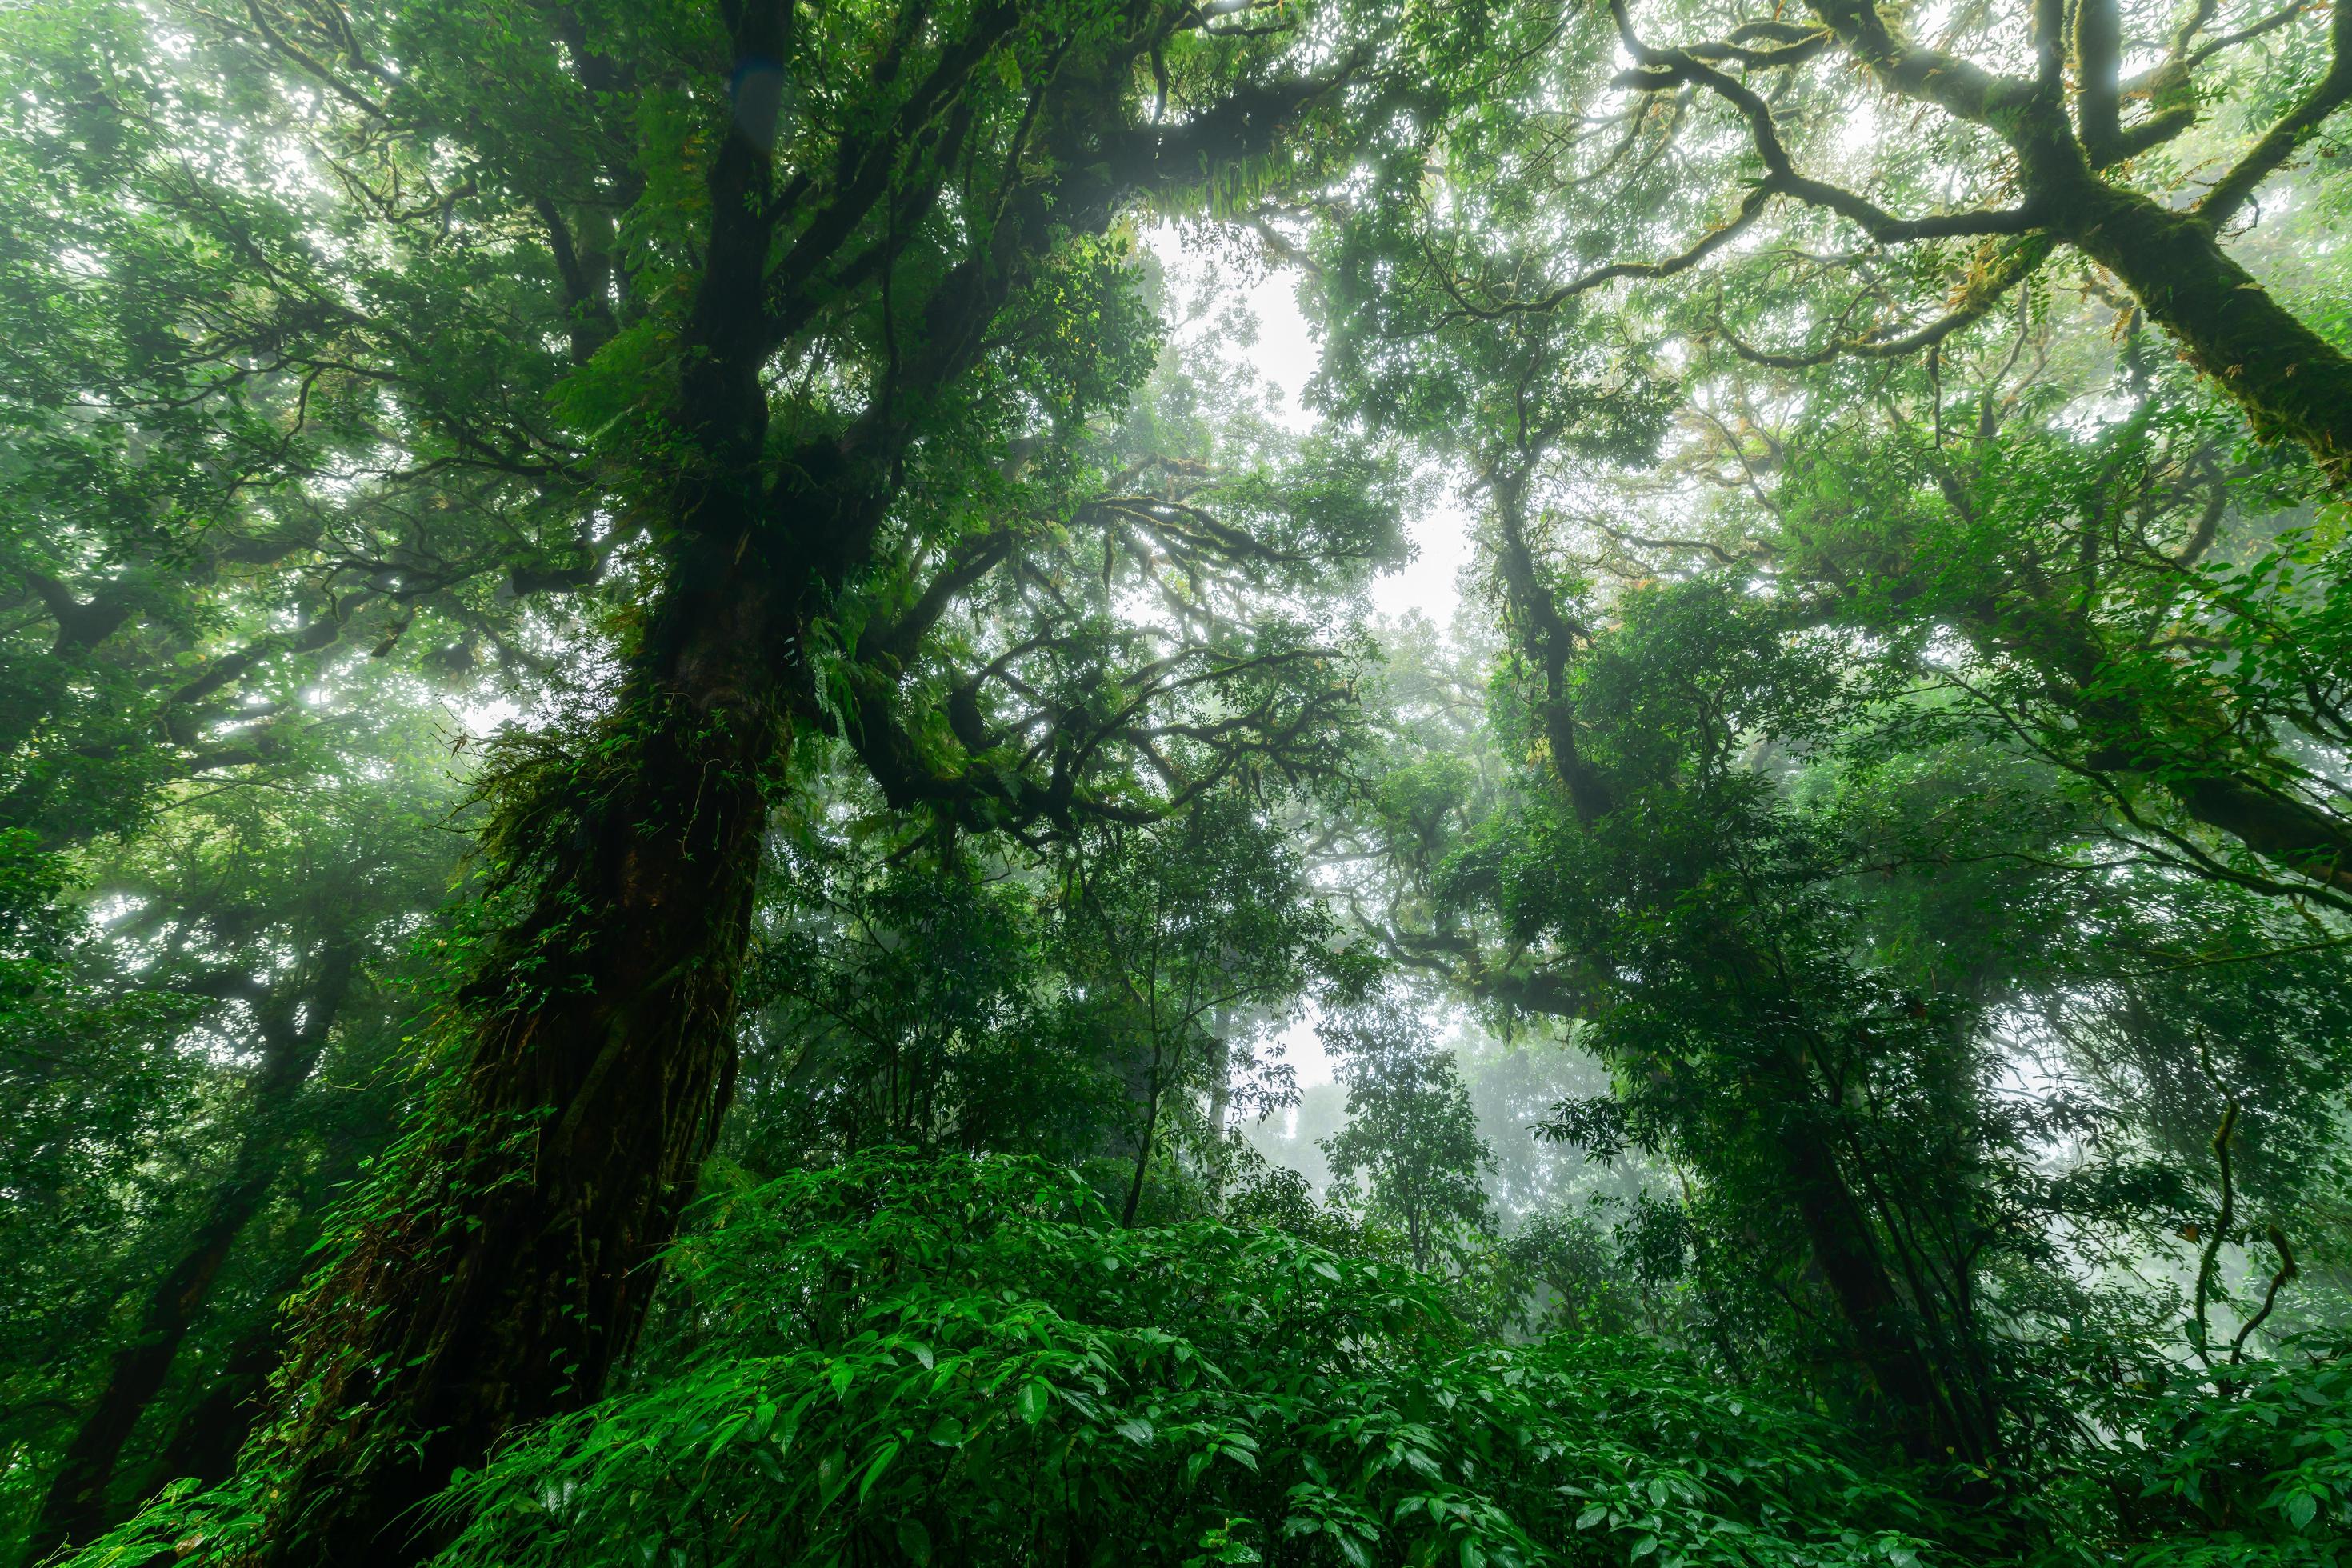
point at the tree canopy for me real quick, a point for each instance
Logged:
(723, 839)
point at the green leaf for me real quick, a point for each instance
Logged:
(873, 1471)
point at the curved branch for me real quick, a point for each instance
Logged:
(2298, 125)
(2098, 59)
(1662, 68)
(1713, 240)
(2286, 1271)
(1980, 297)
(2270, 24)
(1958, 87)
(974, 558)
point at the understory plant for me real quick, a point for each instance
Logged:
(962, 1360)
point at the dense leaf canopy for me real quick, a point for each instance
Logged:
(734, 828)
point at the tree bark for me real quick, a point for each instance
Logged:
(506, 1287)
(2292, 382)
(77, 1505)
(1551, 641)
(1221, 1098)
(507, 1275)
(204, 1444)
(1838, 1234)
(1144, 1142)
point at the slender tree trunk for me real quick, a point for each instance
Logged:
(1550, 640)
(1143, 1147)
(204, 1444)
(1220, 1085)
(1221, 1088)
(1836, 1227)
(1842, 1248)
(77, 1507)
(209, 1435)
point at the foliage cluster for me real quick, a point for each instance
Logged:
(603, 600)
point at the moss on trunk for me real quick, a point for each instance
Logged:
(506, 1271)
(2292, 385)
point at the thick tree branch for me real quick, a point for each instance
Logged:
(82, 624)
(864, 171)
(2297, 126)
(1958, 87)
(2099, 62)
(973, 559)
(1663, 68)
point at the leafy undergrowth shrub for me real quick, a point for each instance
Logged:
(2250, 1465)
(968, 1361)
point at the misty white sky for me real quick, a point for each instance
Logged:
(1286, 353)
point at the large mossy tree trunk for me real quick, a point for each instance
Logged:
(501, 1282)
(505, 1267)
(2293, 384)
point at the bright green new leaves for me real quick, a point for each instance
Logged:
(970, 1362)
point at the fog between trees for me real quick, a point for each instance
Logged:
(679, 735)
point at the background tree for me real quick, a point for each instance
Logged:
(1410, 1147)
(259, 934)
(1171, 936)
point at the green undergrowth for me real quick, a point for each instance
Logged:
(2250, 1465)
(906, 1359)
(969, 1361)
